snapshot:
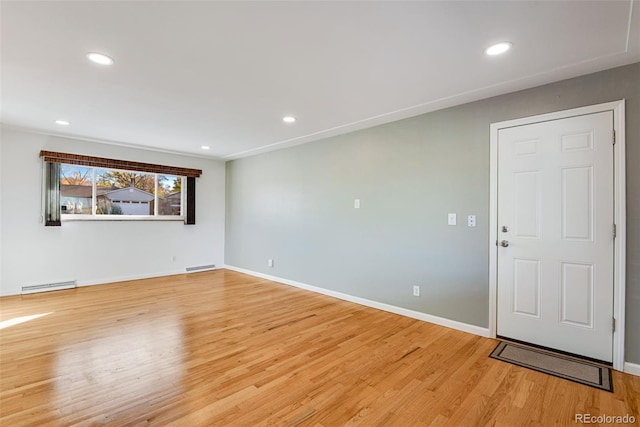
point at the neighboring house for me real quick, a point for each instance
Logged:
(170, 204)
(131, 201)
(75, 199)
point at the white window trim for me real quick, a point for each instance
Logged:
(71, 218)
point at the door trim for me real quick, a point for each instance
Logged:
(618, 108)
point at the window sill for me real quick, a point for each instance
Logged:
(70, 218)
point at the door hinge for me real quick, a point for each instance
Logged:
(615, 231)
(614, 137)
(613, 324)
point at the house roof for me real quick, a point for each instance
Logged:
(112, 193)
(69, 190)
(176, 195)
(130, 194)
(76, 190)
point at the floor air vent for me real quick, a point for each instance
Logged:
(48, 287)
(202, 267)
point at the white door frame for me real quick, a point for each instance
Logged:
(618, 108)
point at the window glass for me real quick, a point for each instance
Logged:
(76, 188)
(124, 193)
(169, 195)
(98, 192)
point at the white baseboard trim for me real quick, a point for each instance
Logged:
(107, 280)
(104, 281)
(632, 368)
(453, 324)
(138, 277)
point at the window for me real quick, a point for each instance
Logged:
(76, 189)
(170, 194)
(83, 187)
(103, 193)
(117, 190)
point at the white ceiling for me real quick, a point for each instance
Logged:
(223, 74)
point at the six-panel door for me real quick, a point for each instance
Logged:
(556, 200)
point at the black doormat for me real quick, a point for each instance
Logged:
(558, 365)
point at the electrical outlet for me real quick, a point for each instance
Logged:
(270, 262)
(416, 291)
(356, 203)
(471, 221)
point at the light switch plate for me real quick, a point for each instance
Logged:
(452, 219)
(356, 203)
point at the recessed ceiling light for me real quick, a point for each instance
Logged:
(205, 147)
(62, 122)
(99, 58)
(498, 48)
(288, 119)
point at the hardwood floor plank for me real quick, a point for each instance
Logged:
(223, 348)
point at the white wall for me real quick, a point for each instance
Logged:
(98, 251)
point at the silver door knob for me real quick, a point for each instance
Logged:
(504, 243)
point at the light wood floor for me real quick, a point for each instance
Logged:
(222, 348)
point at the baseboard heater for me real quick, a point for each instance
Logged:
(201, 267)
(49, 287)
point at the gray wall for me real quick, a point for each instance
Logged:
(296, 205)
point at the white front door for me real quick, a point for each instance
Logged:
(555, 234)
